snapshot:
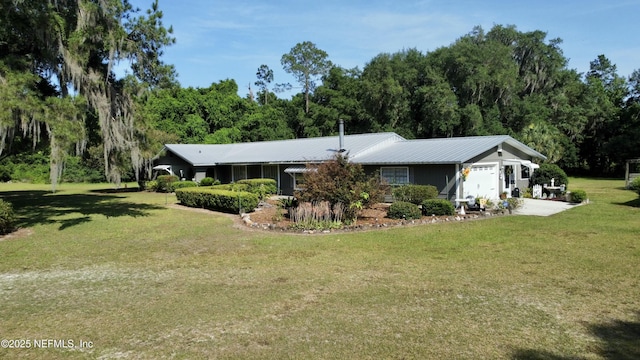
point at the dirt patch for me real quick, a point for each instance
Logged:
(18, 234)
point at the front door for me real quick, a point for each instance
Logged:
(509, 179)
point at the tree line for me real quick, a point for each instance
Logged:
(503, 81)
(65, 108)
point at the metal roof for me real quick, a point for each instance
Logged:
(282, 151)
(441, 150)
(380, 148)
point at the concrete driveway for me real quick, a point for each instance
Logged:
(539, 207)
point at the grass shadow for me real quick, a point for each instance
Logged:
(529, 354)
(67, 210)
(633, 203)
(620, 340)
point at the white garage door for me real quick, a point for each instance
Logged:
(482, 181)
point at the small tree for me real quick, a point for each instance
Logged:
(546, 172)
(7, 217)
(340, 182)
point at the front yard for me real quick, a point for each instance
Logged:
(137, 278)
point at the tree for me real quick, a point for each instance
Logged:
(306, 63)
(341, 182)
(71, 57)
(605, 95)
(265, 77)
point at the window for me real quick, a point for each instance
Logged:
(395, 175)
(525, 172)
(298, 181)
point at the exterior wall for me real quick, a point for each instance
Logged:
(443, 177)
(508, 153)
(179, 167)
(200, 173)
(286, 179)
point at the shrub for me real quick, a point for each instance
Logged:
(316, 215)
(415, 194)
(261, 187)
(165, 183)
(404, 210)
(546, 172)
(183, 184)
(578, 196)
(232, 187)
(151, 185)
(635, 185)
(208, 181)
(7, 217)
(29, 167)
(511, 203)
(340, 181)
(438, 207)
(220, 200)
(288, 202)
(77, 170)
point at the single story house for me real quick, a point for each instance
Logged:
(479, 166)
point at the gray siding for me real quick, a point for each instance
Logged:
(178, 166)
(436, 175)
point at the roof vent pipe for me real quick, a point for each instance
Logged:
(341, 134)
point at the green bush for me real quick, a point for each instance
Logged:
(208, 181)
(7, 217)
(578, 196)
(546, 172)
(27, 167)
(404, 210)
(261, 187)
(415, 194)
(288, 202)
(220, 200)
(231, 187)
(438, 207)
(5, 171)
(165, 183)
(635, 185)
(183, 184)
(151, 185)
(76, 170)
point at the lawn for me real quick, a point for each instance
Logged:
(125, 275)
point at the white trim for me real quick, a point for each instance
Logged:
(526, 163)
(166, 168)
(458, 181)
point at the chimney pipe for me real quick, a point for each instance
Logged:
(341, 132)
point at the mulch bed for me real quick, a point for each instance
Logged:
(268, 216)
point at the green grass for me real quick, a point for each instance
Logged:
(140, 279)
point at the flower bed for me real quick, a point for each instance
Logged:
(269, 216)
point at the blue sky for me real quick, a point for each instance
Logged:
(230, 39)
